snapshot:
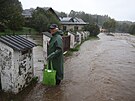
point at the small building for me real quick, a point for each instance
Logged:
(72, 39)
(75, 39)
(16, 63)
(72, 24)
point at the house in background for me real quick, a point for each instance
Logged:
(72, 24)
(27, 13)
(66, 23)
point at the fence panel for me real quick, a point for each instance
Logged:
(66, 43)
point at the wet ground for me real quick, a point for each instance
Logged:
(103, 70)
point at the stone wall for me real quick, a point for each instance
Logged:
(16, 68)
(6, 67)
(23, 69)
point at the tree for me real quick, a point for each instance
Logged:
(110, 25)
(122, 27)
(11, 14)
(72, 13)
(62, 14)
(132, 29)
(93, 29)
(51, 18)
(41, 19)
(40, 22)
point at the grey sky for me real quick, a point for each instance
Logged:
(118, 9)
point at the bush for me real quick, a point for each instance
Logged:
(132, 29)
(93, 29)
(2, 28)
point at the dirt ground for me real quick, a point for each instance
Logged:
(102, 70)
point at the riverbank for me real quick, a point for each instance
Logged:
(102, 70)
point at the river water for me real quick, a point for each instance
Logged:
(102, 70)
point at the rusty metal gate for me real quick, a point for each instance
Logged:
(66, 43)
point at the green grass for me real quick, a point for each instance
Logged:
(24, 31)
(69, 53)
(77, 48)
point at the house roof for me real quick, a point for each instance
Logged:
(17, 42)
(72, 21)
(28, 12)
(66, 19)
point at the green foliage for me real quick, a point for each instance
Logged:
(39, 22)
(77, 48)
(23, 31)
(110, 25)
(11, 14)
(132, 29)
(41, 19)
(69, 53)
(2, 27)
(123, 27)
(62, 14)
(93, 29)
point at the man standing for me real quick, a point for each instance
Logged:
(55, 52)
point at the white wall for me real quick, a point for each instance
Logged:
(23, 70)
(45, 42)
(7, 66)
(69, 27)
(16, 69)
(79, 37)
(72, 40)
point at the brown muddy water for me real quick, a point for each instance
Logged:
(102, 70)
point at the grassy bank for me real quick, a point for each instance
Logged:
(77, 48)
(24, 31)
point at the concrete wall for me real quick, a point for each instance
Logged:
(72, 40)
(45, 42)
(23, 69)
(75, 40)
(79, 37)
(71, 27)
(7, 67)
(16, 68)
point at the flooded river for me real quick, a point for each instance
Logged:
(102, 70)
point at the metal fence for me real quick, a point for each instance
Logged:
(66, 43)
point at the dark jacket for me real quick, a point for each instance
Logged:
(55, 54)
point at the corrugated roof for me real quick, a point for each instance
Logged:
(17, 42)
(79, 20)
(73, 23)
(66, 19)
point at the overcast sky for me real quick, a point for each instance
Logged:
(121, 10)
